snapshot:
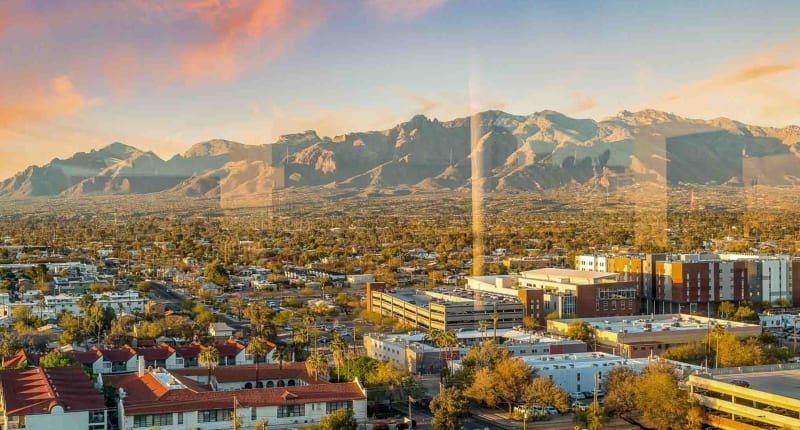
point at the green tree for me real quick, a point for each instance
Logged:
(592, 418)
(448, 409)
(341, 419)
(209, 357)
(580, 330)
(216, 273)
(258, 349)
(260, 316)
(620, 398)
(726, 309)
(338, 348)
(505, 383)
(316, 363)
(543, 391)
(659, 399)
(58, 359)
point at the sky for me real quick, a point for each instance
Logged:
(162, 75)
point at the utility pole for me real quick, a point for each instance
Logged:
(596, 377)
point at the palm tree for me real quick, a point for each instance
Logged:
(209, 357)
(316, 363)
(282, 353)
(495, 317)
(447, 339)
(338, 348)
(309, 321)
(257, 348)
(482, 325)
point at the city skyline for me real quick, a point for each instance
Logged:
(76, 76)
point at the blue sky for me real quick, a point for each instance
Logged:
(79, 74)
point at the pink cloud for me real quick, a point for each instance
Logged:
(245, 32)
(56, 98)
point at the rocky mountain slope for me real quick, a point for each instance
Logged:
(543, 150)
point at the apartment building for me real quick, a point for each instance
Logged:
(55, 398)
(700, 282)
(564, 292)
(172, 401)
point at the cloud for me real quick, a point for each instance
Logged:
(582, 103)
(37, 104)
(403, 9)
(246, 31)
(762, 88)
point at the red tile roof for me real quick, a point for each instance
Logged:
(85, 357)
(146, 395)
(188, 351)
(116, 355)
(32, 359)
(155, 353)
(37, 390)
(225, 374)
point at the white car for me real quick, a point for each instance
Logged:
(577, 395)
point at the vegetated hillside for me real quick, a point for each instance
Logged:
(540, 151)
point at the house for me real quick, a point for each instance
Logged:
(161, 355)
(121, 359)
(55, 398)
(172, 400)
(220, 330)
(189, 354)
(211, 288)
(21, 359)
(231, 353)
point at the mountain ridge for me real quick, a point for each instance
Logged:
(542, 150)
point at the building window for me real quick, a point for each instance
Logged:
(214, 415)
(285, 411)
(253, 414)
(152, 420)
(180, 418)
(97, 417)
(332, 407)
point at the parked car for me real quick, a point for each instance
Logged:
(740, 382)
(577, 395)
(551, 410)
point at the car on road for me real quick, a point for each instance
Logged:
(740, 383)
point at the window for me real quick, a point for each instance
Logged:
(332, 407)
(291, 411)
(214, 415)
(97, 417)
(253, 414)
(180, 418)
(152, 420)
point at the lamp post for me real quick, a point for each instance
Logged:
(525, 418)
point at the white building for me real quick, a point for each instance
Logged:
(170, 401)
(55, 398)
(126, 302)
(576, 372)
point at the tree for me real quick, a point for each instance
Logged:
(58, 359)
(316, 363)
(338, 348)
(658, 397)
(592, 418)
(495, 318)
(505, 383)
(543, 391)
(580, 330)
(258, 349)
(209, 357)
(340, 419)
(282, 353)
(726, 309)
(620, 399)
(93, 320)
(448, 409)
(259, 315)
(262, 424)
(216, 273)
(530, 323)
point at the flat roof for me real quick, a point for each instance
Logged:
(447, 296)
(656, 323)
(781, 382)
(517, 336)
(555, 274)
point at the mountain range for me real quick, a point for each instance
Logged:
(543, 150)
